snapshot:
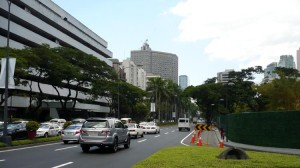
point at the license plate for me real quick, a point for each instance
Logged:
(92, 133)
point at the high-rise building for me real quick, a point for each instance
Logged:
(269, 74)
(36, 22)
(223, 77)
(157, 63)
(183, 81)
(134, 74)
(286, 61)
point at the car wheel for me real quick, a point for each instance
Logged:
(142, 135)
(46, 135)
(114, 147)
(65, 142)
(136, 135)
(127, 144)
(85, 148)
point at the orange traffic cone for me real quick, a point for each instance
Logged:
(221, 143)
(193, 139)
(200, 141)
(199, 133)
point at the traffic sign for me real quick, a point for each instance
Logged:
(203, 127)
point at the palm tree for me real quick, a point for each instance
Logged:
(157, 87)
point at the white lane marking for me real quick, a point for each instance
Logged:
(2, 160)
(10, 150)
(167, 133)
(62, 165)
(66, 148)
(185, 138)
(173, 131)
(156, 136)
(142, 140)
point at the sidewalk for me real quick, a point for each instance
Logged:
(258, 148)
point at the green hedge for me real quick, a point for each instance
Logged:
(271, 129)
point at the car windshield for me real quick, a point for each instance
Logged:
(75, 127)
(131, 125)
(44, 126)
(95, 124)
(11, 126)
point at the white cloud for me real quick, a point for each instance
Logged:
(249, 31)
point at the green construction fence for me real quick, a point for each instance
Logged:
(270, 129)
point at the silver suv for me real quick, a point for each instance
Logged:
(104, 132)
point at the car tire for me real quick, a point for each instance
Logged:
(127, 144)
(142, 135)
(85, 148)
(46, 135)
(114, 146)
(65, 142)
(136, 137)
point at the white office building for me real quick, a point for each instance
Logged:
(34, 22)
(223, 77)
(135, 75)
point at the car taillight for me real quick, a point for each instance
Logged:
(77, 132)
(105, 132)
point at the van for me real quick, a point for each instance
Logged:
(184, 123)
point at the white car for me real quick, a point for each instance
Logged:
(135, 130)
(151, 127)
(48, 129)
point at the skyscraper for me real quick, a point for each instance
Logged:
(183, 81)
(286, 61)
(155, 62)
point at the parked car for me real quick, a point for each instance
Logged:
(71, 133)
(17, 130)
(135, 130)
(59, 121)
(78, 120)
(48, 129)
(151, 127)
(104, 132)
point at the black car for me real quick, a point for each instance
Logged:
(17, 130)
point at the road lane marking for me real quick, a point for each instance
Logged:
(156, 136)
(185, 138)
(167, 133)
(65, 148)
(2, 160)
(62, 165)
(142, 140)
(11, 150)
(173, 131)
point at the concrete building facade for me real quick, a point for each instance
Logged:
(36, 22)
(155, 62)
(223, 77)
(134, 74)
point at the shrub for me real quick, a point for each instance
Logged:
(66, 124)
(32, 126)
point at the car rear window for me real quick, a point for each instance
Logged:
(183, 120)
(95, 124)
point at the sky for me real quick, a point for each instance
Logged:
(208, 36)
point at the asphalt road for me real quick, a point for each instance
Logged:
(58, 155)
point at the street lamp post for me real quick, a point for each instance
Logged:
(6, 139)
